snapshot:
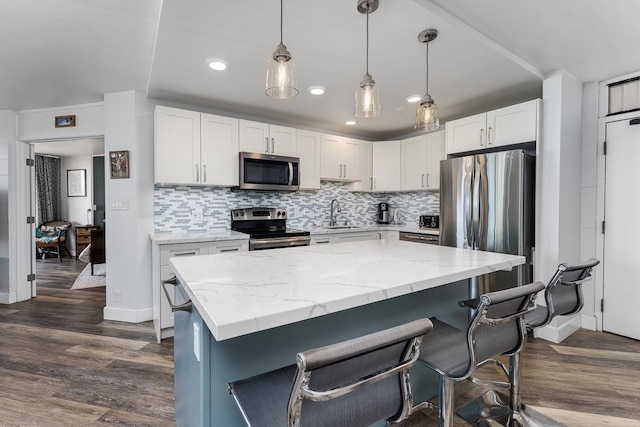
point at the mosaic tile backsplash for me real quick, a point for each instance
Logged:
(199, 209)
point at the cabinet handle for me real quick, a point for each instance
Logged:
(204, 171)
(320, 242)
(184, 253)
(489, 139)
(340, 173)
(481, 133)
(422, 180)
(229, 250)
(197, 173)
(273, 145)
(266, 145)
(345, 171)
(427, 180)
(371, 184)
(182, 307)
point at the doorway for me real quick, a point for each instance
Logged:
(621, 292)
(81, 195)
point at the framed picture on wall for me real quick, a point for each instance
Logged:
(119, 164)
(65, 121)
(76, 183)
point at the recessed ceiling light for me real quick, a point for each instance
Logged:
(217, 64)
(413, 98)
(350, 122)
(317, 90)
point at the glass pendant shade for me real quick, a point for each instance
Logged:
(427, 117)
(367, 99)
(281, 80)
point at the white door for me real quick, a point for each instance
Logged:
(621, 250)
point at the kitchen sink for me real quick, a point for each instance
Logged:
(341, 227)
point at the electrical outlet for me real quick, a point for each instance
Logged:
(118, 295)
(196, 341)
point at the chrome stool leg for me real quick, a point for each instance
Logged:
(445, 397)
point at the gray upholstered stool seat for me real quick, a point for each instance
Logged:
(446, 348)
(349, 384)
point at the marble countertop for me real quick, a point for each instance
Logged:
(220, 234)
(246, 292)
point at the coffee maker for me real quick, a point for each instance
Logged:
(383, 213)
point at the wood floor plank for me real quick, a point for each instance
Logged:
(581, 419)
(115, 353)
(6, 311)
(599, 353)
(47, 411)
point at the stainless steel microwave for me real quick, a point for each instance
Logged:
(269, 172)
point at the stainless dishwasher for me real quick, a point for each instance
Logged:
(430, 239)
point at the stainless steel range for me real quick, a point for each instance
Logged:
(267, 228)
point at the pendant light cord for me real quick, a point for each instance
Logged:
(367, 66)
(281, 15)
(427, 73)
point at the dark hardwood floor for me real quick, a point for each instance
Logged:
(61, 364)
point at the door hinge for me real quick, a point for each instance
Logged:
(31, 220)
(635, 121)
(602, 305)
(31, 277)
(602, 227)
(30, 162)
(604, 148)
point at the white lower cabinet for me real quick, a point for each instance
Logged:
(162, 314)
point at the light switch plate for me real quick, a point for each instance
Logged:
(196, 341)
(120, 205)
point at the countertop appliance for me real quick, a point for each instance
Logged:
(267, 228)
(269, 172)
(429, 221)
(383, 213)
(487, 203)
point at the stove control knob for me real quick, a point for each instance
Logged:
(284, 214)
(279, 213)
(235, 214)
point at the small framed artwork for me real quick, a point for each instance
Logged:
(65, 121)
(77, 183)
(119, 164)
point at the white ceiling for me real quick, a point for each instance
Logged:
(75, 147)
(488, 53)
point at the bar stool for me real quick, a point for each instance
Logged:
(496, 328)
(353, 383)
(563, 296)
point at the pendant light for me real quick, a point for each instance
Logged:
(427, 114)
(281, 72)
(367, 96)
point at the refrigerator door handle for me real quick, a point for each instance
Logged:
(477, 197)
(468, 208)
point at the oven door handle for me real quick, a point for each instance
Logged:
(280, 242)
(290, 173)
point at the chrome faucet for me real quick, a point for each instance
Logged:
(332, 218)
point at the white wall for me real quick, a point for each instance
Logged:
(74, 209)
(559, 186)
(38, 125)
(129, 126)
(7, 137)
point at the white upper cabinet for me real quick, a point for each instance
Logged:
(339, 158)
(177, 146)
(219, 150)
(365, 156)
(386, 166)
(420, 161)
(257, 137)
(510, 125)
(309, 153)
(195, 148)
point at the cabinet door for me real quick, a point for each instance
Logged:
(308, 146)
(415, 156)
(512, 125)
(467, 134)
(386, 166)
(282, 140)
(365, 184)
(356, 237)
(436, 150)
(219, 150)
(348, 157)
(176, 146)
(254, 137)
(330, 167)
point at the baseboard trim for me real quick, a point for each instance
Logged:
(589, 322)
(560, 329)
(128, 315)
(8, 297)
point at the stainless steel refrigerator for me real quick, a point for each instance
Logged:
(487, 203)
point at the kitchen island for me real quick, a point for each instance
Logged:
(253, 311)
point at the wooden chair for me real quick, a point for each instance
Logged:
(51, 238)
(97, 253)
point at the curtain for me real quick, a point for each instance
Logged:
(48, 200)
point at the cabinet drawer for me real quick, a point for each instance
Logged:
(83, 239)
(186, 249)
